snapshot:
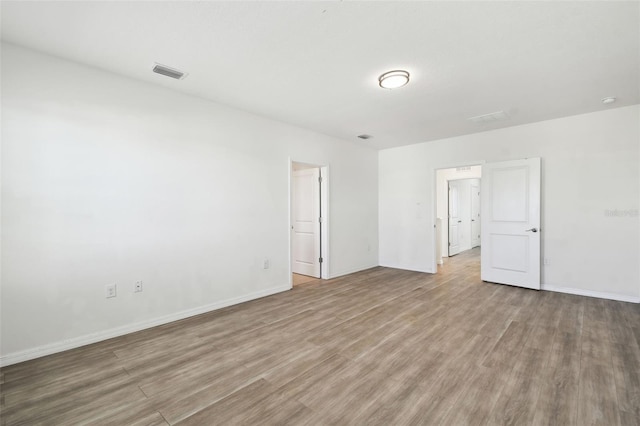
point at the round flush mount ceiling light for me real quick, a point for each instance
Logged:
(393, 79)
(608, 100)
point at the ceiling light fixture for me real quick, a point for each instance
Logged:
(393, 79)
(608, 100)
(364, 136)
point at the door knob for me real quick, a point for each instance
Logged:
(531, 230)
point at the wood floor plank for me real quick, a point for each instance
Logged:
(597, 401)
(629, 419)
(626, 368)
(72, 408)
(517, 399)
(475, 403)
(399, 407)
(441, 394)
(117, 412)
(620, 329)
(558, 399)
(541, 336)
(506, 351)
(254, 404)
(224, 410)
(593, 335)
(299, 385)
(372, 339)
(347, 400)
(296, 366)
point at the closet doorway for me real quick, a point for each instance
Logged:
(308, 199)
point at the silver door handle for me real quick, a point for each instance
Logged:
(531, 230)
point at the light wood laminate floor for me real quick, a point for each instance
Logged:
(379, 347)
(298, 279)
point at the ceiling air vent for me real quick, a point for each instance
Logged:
(489, 118)
(168, 71)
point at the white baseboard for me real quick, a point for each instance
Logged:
(76, 342)
(590, 293)
(406, 268)
(350, 271)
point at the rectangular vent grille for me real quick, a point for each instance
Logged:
(169, 72)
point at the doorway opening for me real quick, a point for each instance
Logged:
(463, 215)
(509, 216)
(308, 222)
(457, 211)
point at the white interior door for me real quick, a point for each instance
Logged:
(510, 217)
(454, 218)
(305, 242)
(475, 213)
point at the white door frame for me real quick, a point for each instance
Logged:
(434, 201)
(324, 212)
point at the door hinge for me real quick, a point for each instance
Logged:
(320, 179)
(320, 260)
(320, 219)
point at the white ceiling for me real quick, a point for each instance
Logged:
(315, 64)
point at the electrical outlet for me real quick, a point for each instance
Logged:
(265, 265)
(138, 287)
(110, 291)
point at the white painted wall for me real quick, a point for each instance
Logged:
(110, 180)
(589, 167)
(442, 178)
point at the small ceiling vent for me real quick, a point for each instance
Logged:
(365, 136)
(168, 71)
(489, 118)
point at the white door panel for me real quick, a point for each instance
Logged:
(475, 213)
(510, 217)
(510, 188)
(509, 252)
(306, 222)
(454, 218)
